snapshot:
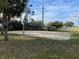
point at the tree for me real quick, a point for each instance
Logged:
(28, 12)
(54, 25)
(10, 8)
(15, 25)
(69, 24)
(36, 25)
(49, 24)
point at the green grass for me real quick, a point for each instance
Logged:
(75, 36)
(28, 47)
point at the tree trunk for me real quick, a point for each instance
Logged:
(6, 32)
(5, 23)
(23, 28)
(2, 29)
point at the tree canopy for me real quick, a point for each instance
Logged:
(69, 24)
(55, 24)
(12, 7)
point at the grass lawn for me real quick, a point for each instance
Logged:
(27, 47)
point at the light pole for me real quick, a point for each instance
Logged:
(43, 12)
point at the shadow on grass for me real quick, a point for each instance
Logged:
(38, 48)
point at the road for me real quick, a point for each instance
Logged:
(46, 34)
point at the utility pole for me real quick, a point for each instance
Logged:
(43, 12)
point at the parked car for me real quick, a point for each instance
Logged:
(51, 28)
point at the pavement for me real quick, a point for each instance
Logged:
(46, 34)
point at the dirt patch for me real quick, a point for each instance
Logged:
(24, 38)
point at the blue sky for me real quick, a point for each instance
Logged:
(57, 10)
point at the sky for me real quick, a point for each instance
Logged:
(57, 10)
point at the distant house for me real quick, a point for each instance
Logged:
(75, 28)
